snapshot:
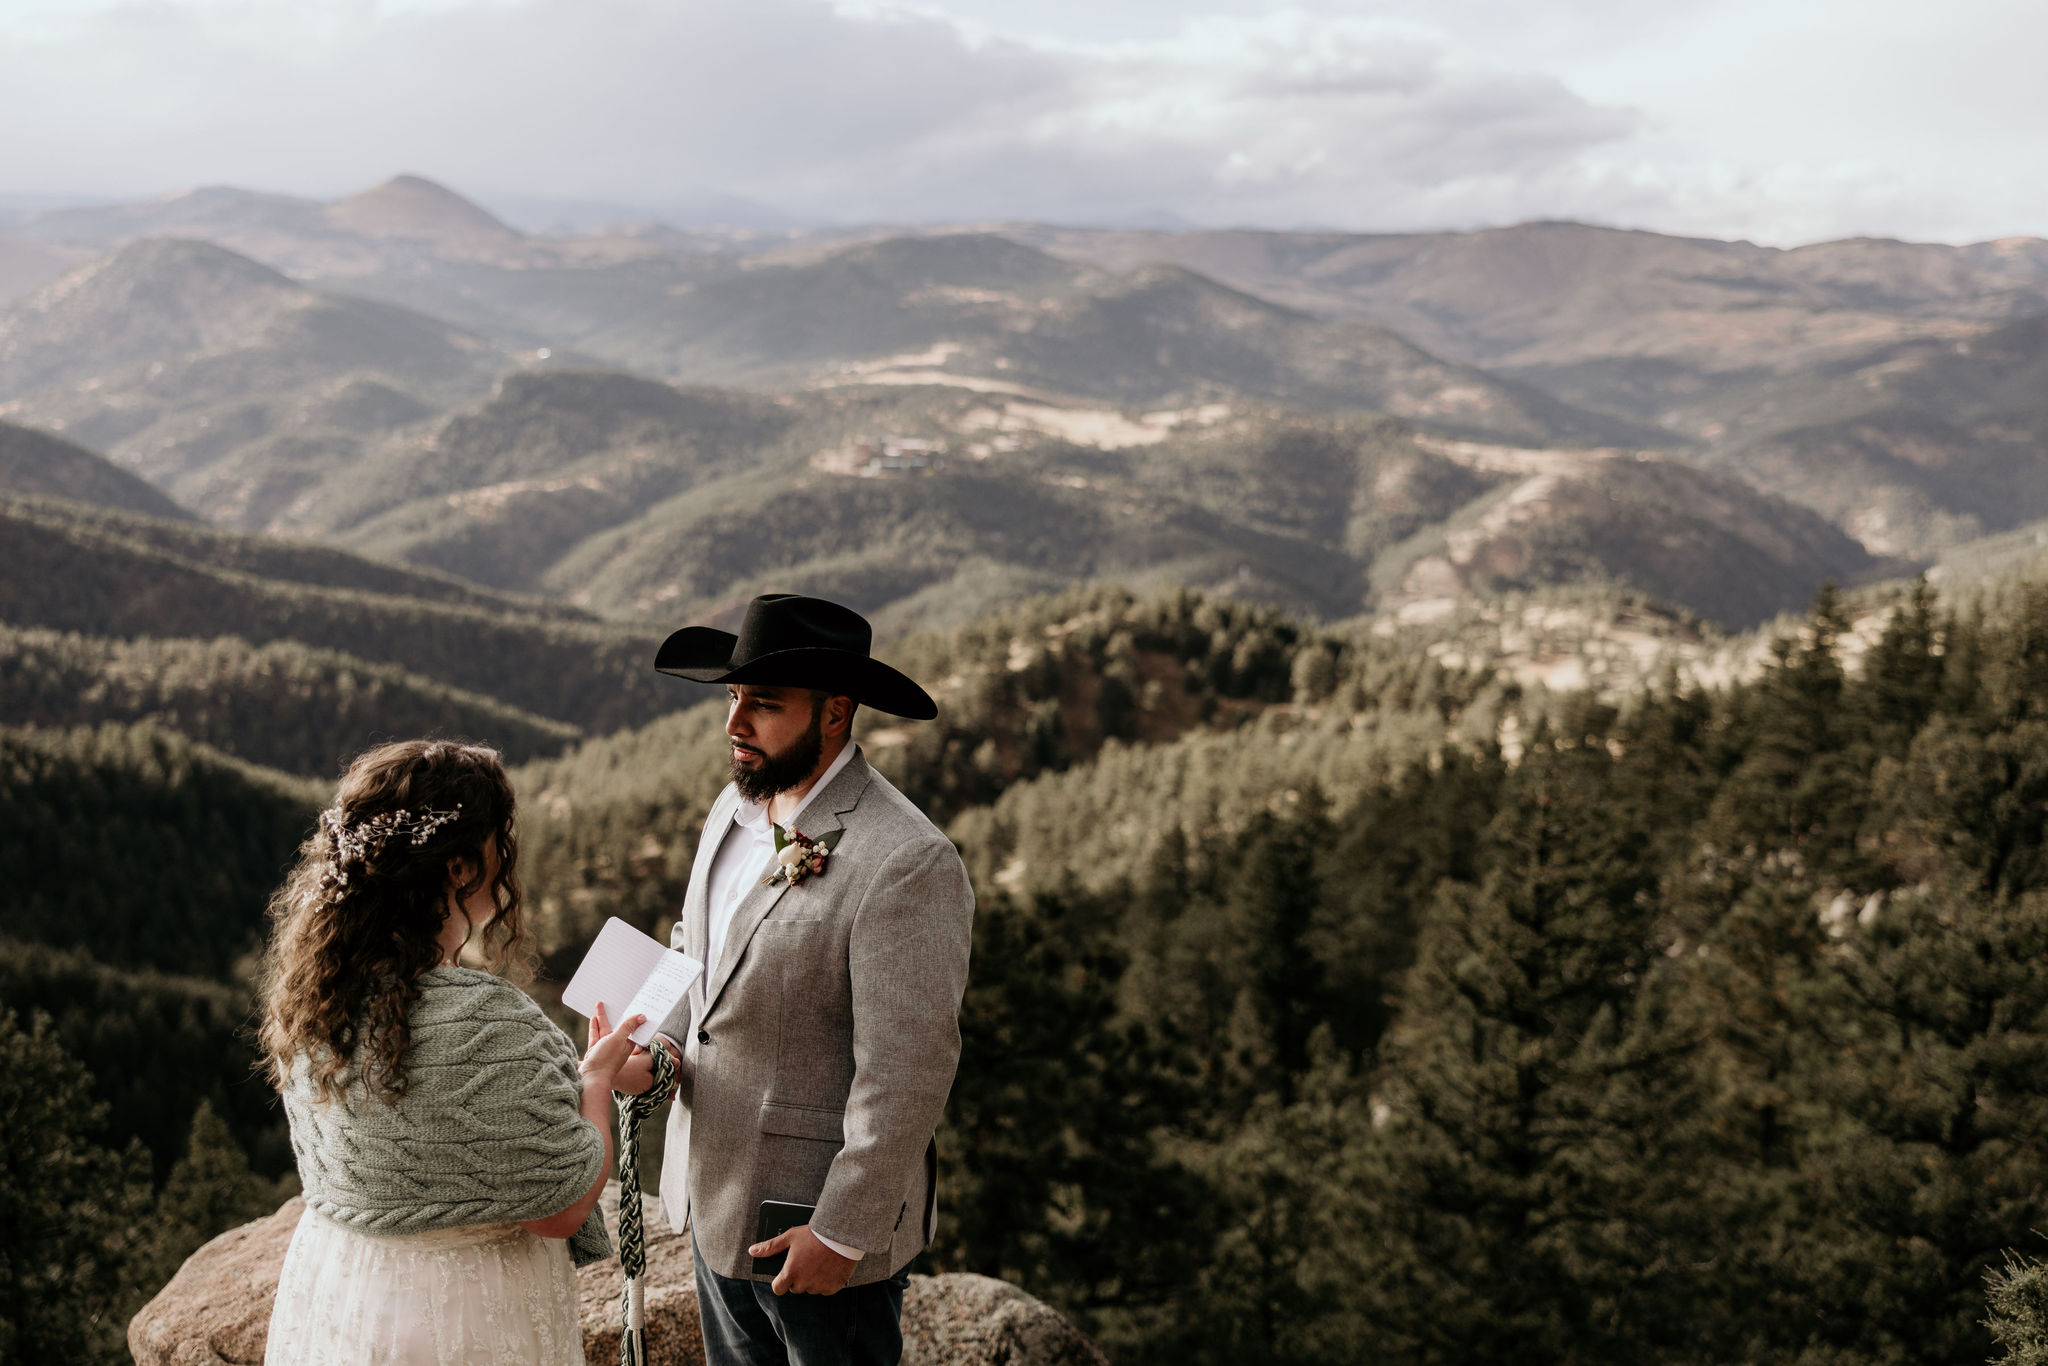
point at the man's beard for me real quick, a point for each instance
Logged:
(780, 772)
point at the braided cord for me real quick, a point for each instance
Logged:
(632, 1229)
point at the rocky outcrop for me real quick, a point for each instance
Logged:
(964, 1320)
(216, 1310)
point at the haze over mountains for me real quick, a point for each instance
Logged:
(655, 424)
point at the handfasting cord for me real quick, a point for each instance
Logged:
(632, 1230)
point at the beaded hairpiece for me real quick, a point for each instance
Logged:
(360, 841)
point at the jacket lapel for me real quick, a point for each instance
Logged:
(838, 799)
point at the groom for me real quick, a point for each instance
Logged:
(818, 1047)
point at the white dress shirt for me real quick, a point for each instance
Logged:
(745, 856)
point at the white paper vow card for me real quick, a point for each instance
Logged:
(633, 975)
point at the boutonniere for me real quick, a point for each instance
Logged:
(798, 856)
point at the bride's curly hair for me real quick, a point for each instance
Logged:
(359, 916)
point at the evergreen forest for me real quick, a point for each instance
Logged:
(1330, 1003)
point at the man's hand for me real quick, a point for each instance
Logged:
(811, 1268)
(636, 1074)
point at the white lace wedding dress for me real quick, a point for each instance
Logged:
(478, 1296)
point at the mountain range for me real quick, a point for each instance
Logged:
(981, 311)
(397, 224)
(1549, 299)
(650, 424)
(226, 384)
(1895, 387)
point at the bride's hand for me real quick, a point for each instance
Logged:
(609, 1047)
(636, 1074)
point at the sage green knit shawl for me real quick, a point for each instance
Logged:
(490, 1129)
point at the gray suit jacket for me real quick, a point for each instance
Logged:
(819, 1049)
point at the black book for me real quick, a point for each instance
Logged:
(777, 1217)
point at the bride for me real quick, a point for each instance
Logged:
(451, 1144)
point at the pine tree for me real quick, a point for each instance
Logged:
(210, 1190)
(1273, 895)
(1902, 672)
(1053, 1142)
(1801, 772)
(1381, 864)
(1753, 990)
(1530, 1172)
(70, 1210)
(2017, 1293)
(1280, 1197)
(1939, 1086)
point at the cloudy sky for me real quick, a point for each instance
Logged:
(1778, 120)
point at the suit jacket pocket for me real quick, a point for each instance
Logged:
(803, 1121)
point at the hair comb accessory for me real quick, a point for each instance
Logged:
(360, 841)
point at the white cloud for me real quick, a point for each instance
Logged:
(1761, 117)
(1281, 118)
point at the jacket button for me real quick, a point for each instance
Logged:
(703, 1036)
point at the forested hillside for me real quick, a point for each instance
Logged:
(112, 575)
(1213, 710)
(1710, 1030)
(1690, 1030)
(1432, 1019)
(141, 847)
(175, 703)
(284, 705)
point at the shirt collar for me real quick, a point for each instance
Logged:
(754, 815)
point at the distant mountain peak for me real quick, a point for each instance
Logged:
(183, 268)
(415, 207)
(219, 195)
(189, 251)
(148, 300)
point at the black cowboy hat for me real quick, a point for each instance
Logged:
(787, 641)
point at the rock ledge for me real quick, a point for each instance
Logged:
(216, 1310)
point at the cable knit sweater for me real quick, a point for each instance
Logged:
(489, 1130)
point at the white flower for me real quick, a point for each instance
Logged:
(790, 855)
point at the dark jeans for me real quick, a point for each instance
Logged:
(747, 1324)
